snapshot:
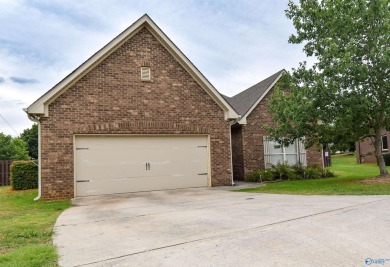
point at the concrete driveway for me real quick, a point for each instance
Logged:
(216, 227)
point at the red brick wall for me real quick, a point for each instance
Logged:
(252, 139)
(314, 155)
(365, 149)
(112, 99)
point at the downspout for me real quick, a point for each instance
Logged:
(36, 119)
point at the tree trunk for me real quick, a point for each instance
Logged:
(378, 152)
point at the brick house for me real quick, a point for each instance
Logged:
(365, 149)
(136, 116)
(251, 149)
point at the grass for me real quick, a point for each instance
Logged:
(346, 183)
(26, 228)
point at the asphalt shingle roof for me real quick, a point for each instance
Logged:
(243, 101)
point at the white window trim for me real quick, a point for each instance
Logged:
(300, 152)
(385, 149)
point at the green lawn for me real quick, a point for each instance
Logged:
(346, 183)
(26, 228)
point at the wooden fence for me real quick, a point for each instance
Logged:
(4, 172)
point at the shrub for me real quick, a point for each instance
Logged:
(299, 169)
(387, 159)
(266, 175)
(252, 177)
(281, 170)
(259, 176)
(299, 172)
(313, 172)
(24, 175)
(326, 173)
(292, 175)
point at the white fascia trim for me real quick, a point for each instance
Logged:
(41, 105)
(243, 118)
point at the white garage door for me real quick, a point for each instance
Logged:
(118, 164)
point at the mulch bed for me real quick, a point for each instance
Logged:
(377, 180)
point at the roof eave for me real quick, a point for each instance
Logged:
(230, 113)
(40, 106)
(243, 119)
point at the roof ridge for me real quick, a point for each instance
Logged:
(275, 74)
(40, 106)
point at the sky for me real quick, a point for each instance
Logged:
(234, 43)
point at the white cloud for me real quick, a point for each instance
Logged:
(235, 44)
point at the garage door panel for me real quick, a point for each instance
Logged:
(179, 154)
(177, 167)
(92, 167)
(102, 164)
(156, 169)
(104, 172)
(113, 142)
(139, 184)
(118, 164)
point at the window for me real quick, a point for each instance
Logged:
(293, 153)
(385, 145)
(145, 73)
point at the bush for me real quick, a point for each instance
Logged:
(281, 170)
(299, 169)
(298, 172)
(313, 172)
(292, 176)
(24, 175)
(387, 159)
(266, 175)
(326, 173)
(252, 177)
(259, 176)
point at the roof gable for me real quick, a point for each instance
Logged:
(40, 106)
(248, 99)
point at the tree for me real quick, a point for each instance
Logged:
(30, 136)
(345, 96)
(12, 148)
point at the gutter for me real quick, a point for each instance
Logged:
(36, 119)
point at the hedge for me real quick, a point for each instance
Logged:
(284, 171)
(24, 175)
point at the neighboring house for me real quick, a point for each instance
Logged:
(365, 149)
(139, 116)
(251, 149)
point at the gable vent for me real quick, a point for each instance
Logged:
(145, 73)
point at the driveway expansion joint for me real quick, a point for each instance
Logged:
(265, 228)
